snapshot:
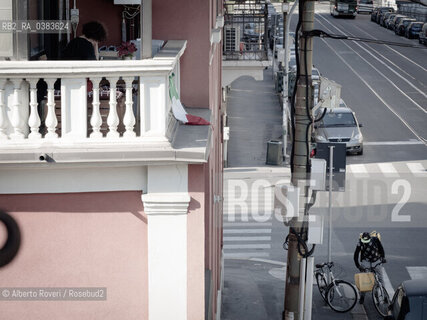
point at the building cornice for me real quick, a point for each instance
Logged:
(168, 203)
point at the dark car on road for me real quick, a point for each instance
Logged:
(423, 34)
(374, 14)
(388, 20)
(384, 18)
(382, 11)
(409, 301)
(377, 11)
(392, 21)
(401, 27)
(397, 20)
(413, 30)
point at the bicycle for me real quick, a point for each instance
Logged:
(380, 295)
(340, 295)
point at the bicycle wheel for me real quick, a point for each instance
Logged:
(381, 299)
(341, 296)
(322, 285)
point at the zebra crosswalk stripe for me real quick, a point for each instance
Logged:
(235, 231)
(248, 246)
(359, 170)
(388, 169)
(417, 273)
(262, 238)
(416, 168)
(245, 255)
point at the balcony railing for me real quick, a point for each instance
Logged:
(129, 101)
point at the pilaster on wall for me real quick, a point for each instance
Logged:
(166, 205)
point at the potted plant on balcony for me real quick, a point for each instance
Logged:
(126, 50)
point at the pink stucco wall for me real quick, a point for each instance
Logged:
(79, 240)
(187, 20)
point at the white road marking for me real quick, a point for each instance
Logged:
(226, 239)
(279, 263)
(392, 143)
(247, 224)
(244, 255)
(416, 168)
(247, 246)
(380, 60)
(403, 56)
(358, 169)
(373, 91)
(379, 72)
(244, 231)
(278, 273)
(417, 272)
(388, 169)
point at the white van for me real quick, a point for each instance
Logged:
(365, 6)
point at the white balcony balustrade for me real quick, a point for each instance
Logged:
(50, 103)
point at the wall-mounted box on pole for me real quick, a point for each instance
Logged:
(339, 163)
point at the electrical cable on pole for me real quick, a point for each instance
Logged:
(302, 120)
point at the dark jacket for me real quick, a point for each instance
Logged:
(79, 49)
(370, 252)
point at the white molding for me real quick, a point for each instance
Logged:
(166, 203)
(69, 180)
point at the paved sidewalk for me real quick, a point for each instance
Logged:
(254, 287)
(254, 117)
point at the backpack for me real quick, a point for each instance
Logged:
(373, 234)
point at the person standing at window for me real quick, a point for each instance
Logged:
(85, 47)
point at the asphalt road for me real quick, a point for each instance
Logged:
(386, 86)
(385, 187)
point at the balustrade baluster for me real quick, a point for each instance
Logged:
(96, 119)
(129, 118)
(34, 119)
(16, 120)
(51, 121)
(113, 118)
(3, 114)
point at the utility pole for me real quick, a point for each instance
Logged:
(301, 161)
(285, 107)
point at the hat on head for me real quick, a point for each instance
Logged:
(366, 237)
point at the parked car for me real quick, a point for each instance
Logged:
(339, 125)
(365, 6)
(397, 21)
(413, 30)
(382, 11)
(401, 27)
(388, 20)
(384, 18)
(422, 38)
(374, 14)
(409, 301)
(391, 22)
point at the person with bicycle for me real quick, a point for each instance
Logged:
(369, 250)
